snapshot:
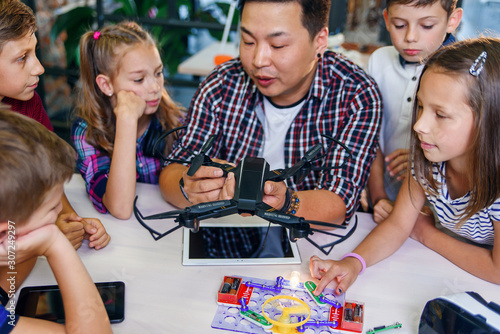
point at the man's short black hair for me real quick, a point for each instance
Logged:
(315, 13)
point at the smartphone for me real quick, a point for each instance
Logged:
(45, 302)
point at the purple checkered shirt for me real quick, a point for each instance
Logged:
(94, 165)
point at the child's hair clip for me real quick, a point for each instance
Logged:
(478, 65)
(96, 35)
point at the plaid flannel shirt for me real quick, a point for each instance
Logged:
(94, 165)
(343, 102)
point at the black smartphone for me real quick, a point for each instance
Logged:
(45, 302)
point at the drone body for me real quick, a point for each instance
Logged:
(250, 175)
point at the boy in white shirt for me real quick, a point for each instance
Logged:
(417, 29)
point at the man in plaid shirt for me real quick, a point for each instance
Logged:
(275, 101)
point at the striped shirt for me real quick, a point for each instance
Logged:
(478, 228)
(343, 102)
(94, 165)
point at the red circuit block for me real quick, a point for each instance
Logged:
(232, 290)
(350, 317)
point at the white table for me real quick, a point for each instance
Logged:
(162, 296)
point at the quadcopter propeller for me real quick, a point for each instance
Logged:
(200, 158)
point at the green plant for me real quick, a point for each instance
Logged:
(172, 41)
(74, 22)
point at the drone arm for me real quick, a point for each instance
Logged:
(225, 209)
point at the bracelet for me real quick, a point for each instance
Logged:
(294, 204)
(359, 257)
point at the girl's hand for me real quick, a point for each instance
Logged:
(382, 209)
(398, 163)
(343, 272)
(129, 104)
(275, 194)
(30, 245)
(96, 233)
(71, 226)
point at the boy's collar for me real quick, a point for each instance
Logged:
(404, 62)
(448, 40)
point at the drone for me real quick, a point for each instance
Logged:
(250, 174)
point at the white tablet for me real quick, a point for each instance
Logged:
(238, 244)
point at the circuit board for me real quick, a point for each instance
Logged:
(228, 317)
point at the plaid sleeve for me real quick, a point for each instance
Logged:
(359, 131)
(201, 119)
(92, 165)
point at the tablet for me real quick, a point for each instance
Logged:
(45, 302)
(239, 245)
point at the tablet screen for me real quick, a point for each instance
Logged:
(239, 245)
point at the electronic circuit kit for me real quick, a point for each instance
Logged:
(253, 305)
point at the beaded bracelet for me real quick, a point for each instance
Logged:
(294, 204)
(359, 257)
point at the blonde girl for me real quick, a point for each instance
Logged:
(122, 107)
(455, 159)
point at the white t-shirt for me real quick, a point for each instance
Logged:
(277, 122)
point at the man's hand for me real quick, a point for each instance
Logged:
(95, 233)
(398, 163)
(207, 183)
(71, 226)
(275, 194)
